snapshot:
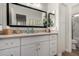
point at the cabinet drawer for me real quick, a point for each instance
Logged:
(44, 38)
(8, 43)
(29, 40)
(53, 37)
(10, 52)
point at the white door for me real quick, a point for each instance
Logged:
(10, 52)
(43, 48)
(28, 50)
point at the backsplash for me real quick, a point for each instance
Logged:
(29, 30)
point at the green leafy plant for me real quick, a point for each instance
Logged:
(51, 23)
(45, 22)
(48, 23)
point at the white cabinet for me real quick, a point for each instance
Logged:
(10, 52)
(44, 48)
(28, 50)
(39, 49)
(53, 45)
(43, 45)
(10, 47)
(53, 51)
(9, 43)
(40, 46)
(29, 46)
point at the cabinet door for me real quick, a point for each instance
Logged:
(43, 48)
(10, 52)
(53, 48)
(53, 51)
(53, 45)
(9, 43)
(28, 50)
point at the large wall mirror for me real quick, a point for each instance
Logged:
(24, 16)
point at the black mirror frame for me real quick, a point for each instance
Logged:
(7, 8)
(49, 17)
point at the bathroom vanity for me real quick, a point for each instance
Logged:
(33, 44)
(36, 44)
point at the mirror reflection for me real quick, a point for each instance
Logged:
(25, 16)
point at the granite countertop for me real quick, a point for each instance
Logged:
(26, 35)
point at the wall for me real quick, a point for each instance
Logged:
(3, 14)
